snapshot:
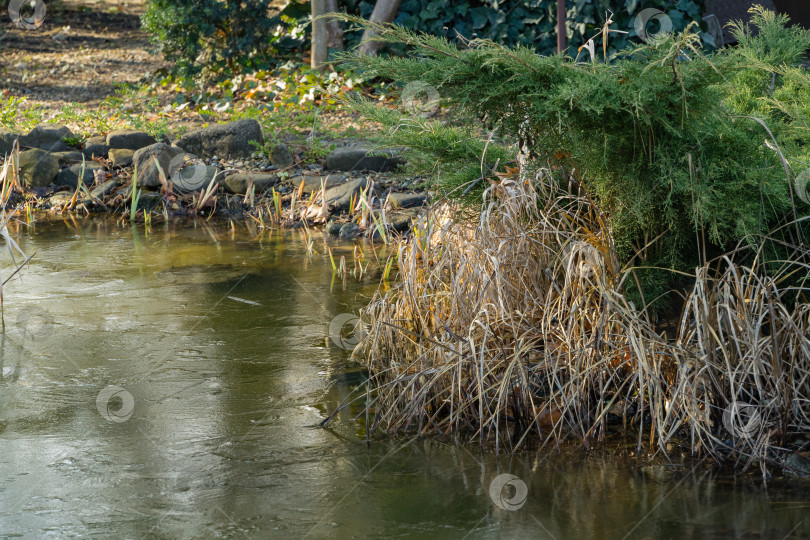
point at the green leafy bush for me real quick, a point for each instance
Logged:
(217, 34)
(532, 23)
(672, 143)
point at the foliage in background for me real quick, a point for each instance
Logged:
(223, 34)
(663, 136)
(213, 35)
(531, 23)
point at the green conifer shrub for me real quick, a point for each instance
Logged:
(688, 154)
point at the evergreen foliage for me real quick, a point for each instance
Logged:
(213, 35)
(530, 23)
(683, 151)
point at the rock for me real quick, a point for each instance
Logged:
(226, 140)
(7, 139)
(400, 221)
(38, 168)
(121, 157)
(149, 200)
(406, 200)
(146, 199)
(237, 183)
(95, 147)
(281, 157)
(340, 197)
(61, 198)
(619, 410)
(314, 182)
(102, 190)
(48, 137)
(144, 160)
(798, 465)
(333, 228)
(349, 230)
(68, 157)
(70, 175)
(129, 139)
(360, 158)
(191, 174)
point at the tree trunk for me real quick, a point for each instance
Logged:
(384, 12)
(333, 28)
(561, 36)
(319, 35)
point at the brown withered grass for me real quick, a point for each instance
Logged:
(511, 325)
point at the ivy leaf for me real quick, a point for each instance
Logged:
(534, 19)
(679, 21)
(691, 8)
(480, 17)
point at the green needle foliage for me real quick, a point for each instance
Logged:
(686, 153)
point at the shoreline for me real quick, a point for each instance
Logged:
(228, 170)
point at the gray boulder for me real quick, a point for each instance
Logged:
(349, 230)
(38, 168)
(149, 200)
(129, 139)
(95, 147)
(68, 157)
(7, 139)
(281, 157)
(102, 190)
(61, 198)
(314, 182)
(70, 175)
(401, 221)
(339, 197)
(190, 174)
(360, 158)
(144, 160)
(225, 140)
(406, 200)
(121, 157)
(47, 137)
(333, 227)
(237, 183)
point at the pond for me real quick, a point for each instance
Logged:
(169, 382)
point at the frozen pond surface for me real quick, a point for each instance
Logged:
(170, 385)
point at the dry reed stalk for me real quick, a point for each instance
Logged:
(516, 325)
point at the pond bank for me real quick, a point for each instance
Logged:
(228, 170)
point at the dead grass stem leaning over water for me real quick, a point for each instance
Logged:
(512, 325)
(10, 182)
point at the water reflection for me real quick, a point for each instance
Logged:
(220, 334)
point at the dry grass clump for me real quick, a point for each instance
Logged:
(514, 324)
(745, 364)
